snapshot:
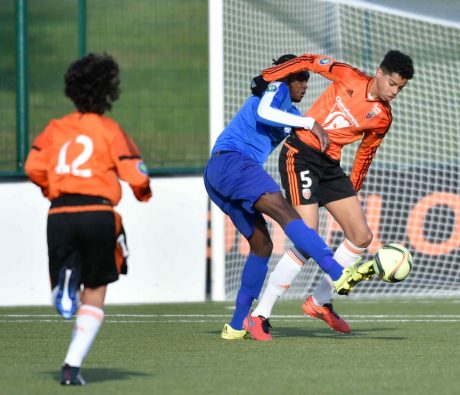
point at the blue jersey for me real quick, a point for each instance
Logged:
(261, 124)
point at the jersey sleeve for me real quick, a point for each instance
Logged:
(37, 161)
(364, 156)
(130, 166)
(270, 113)
(323, 65)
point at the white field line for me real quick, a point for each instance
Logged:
(226, 315)
(219, 318)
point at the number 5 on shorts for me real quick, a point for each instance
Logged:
(304, 176)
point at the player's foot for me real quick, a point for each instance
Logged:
(67, 293)
(70, 375)
(352, 275)
(258, 327)
(228, 333)
(327, 314)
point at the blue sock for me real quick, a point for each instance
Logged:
(308, 241)
(331, 267)
(252, 280)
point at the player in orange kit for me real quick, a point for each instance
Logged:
(354, 107)
(77, 162)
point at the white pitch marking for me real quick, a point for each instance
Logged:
(226, 315)
(217, 318)
(214, 321)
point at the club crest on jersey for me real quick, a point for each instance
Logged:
(324, 61)
(142, 168)
(272, 88)
(306, 193)
(375, 110)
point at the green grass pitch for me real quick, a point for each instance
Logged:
(397, 347)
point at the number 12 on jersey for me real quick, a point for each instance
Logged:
(74, 167)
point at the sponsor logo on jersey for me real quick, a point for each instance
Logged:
(272, 88)
(306, 193)
(142, 168)
(375, 110)
(324, 61)
(339, 117)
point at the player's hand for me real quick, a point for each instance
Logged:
(142, 193)
(322, 135)
(258, 86)
(45, 191)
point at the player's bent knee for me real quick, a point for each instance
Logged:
(260, 243)
(264, 249)
(363, 239)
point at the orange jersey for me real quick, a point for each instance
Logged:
(345, 109)
(86, 154)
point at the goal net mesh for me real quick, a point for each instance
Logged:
(411, 194)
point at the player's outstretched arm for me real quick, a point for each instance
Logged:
(269, 111)
(308, 62)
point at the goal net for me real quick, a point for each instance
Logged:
(411, 194)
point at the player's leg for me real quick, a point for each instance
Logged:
(234, 182)
(87, 324)
(349, 215)
(304, 238)
(287, 268)
(308, 241)
(63, 265)
(252, 280)
(65, 291)
(97, 236)
(343, 204)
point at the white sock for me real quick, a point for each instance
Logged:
(87, 324)
(279, 281)
(346, 254)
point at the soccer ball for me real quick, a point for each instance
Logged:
(392, 263)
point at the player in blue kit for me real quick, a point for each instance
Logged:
(237, 182)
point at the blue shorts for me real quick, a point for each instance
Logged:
(235, 182)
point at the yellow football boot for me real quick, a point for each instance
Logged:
(352, 275)
(228, 333)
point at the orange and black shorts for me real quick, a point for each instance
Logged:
(83, 233)
(309, 176)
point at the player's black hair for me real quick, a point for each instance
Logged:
(399, 63)
(259, 85)
(302, 76)
(92, 83)
(283, 59)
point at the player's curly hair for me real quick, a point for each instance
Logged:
(399, 63)
(258, 84)
(92, 83)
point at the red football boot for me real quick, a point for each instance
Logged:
(258, 327)
(327, 314)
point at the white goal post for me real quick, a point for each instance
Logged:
(412, 193)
